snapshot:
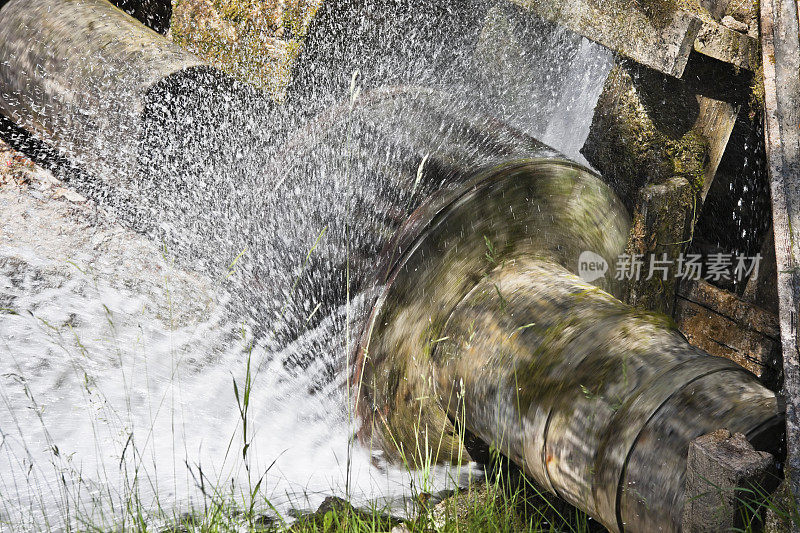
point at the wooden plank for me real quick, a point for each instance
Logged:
(780, 46)
(715, 122)
(155, 14)
(722, 43)
(661, 41)
(660, 226)
(725, 325)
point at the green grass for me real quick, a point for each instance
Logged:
(502, 502)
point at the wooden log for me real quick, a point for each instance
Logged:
(780, 47)
(716, 8)
(482, 318)
(76, 74)
(658, 38)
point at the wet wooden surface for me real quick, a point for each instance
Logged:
(661, 41)
(725, 325)
(715, 122)
(780, 46)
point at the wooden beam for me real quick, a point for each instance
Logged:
(727, 45)
(721, 323)
(761, 287)
(715, 122)
(780, 45)
(660, 226)
(661, 41)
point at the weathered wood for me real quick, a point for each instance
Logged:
(715, 122)
(725, 44)
(722, 472)
(595, 400)
(660, 38)
(727, 326)
(780, 47)
(659, 232)
(761, 288)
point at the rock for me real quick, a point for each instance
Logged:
(458, 506)
(333, 512)
(716, 8)
(719, 466)
(730, 22)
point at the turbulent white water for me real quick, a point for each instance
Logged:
(108, 400)
(117, 367)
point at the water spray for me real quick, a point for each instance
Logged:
(466, 238)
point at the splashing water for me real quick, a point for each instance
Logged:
(117, 372)
(118, 363)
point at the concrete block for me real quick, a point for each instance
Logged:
(718, 464)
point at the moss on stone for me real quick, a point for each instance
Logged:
(757, 94)
(633, 144)
(660, 12)
(689, 157)
(255, 41)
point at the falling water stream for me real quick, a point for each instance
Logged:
(121, 338)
